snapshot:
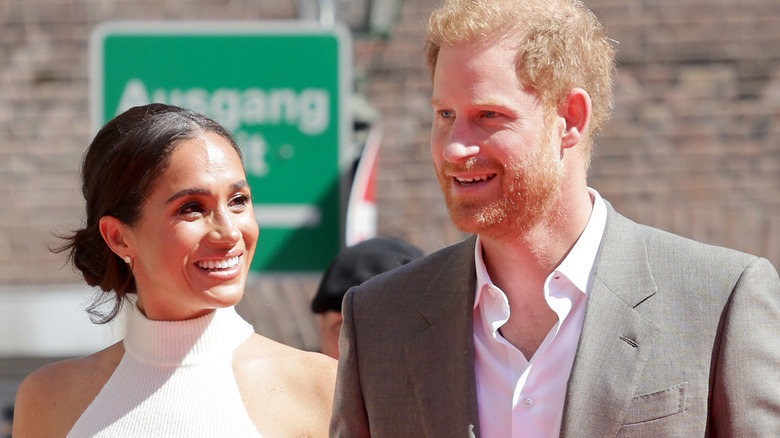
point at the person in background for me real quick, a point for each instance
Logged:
(351, 267)
(558, 316)
(7, 422)
(170, 234)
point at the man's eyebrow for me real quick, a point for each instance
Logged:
(485, 102)
(197, 191)
(491, 102)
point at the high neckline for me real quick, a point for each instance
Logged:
(184, 343)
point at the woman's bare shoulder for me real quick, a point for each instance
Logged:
(291, 363)
(52, 398)
(294, 386)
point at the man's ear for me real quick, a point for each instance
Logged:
(115, 233)
(576, 111)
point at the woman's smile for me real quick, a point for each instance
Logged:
(198, 217)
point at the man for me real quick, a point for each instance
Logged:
(352, 266)
(560, 317)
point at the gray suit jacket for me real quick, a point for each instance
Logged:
(680, 339)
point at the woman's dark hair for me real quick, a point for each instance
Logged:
(120, 166)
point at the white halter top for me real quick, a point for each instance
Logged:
(175, 380)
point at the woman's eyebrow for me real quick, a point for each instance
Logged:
(197, 191)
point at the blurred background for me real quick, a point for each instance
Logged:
(692, 147)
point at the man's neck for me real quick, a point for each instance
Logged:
(519, 266)
(528, 258)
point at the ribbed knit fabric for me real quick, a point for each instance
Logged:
(175, 380)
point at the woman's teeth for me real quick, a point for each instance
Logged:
(218, 264)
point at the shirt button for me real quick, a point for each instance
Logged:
(528, 402)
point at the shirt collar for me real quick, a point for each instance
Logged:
(577, 266)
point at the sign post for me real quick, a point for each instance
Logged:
(281, 88)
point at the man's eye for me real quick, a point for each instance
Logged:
(446, 113)
(490, 114)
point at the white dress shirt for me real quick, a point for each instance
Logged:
(519, 397)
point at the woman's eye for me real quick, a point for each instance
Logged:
(191, 208)
(240, 201)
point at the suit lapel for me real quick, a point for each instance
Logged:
(615, 343)
(441, 357)
(616, 340)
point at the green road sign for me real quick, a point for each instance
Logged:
(281, 88)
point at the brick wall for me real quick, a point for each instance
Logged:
(692, 147)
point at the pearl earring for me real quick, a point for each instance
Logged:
(127, 259)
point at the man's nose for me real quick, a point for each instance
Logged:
(461, 144)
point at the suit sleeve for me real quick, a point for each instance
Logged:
(349, 419)
(746, 392)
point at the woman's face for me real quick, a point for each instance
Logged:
(193, 244)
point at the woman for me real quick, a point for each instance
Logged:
(170, 221)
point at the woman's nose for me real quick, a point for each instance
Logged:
(224, 229)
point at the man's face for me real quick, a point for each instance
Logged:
(495, 153)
